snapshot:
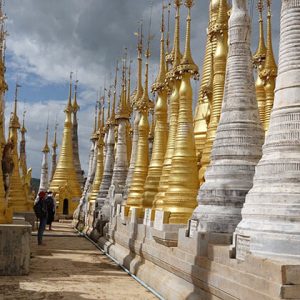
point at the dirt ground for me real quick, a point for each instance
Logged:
(70, 267)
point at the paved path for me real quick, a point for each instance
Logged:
(70, 267)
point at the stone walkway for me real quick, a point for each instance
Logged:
(70, 267)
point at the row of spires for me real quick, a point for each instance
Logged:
(175, 68)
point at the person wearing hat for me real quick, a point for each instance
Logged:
(41, 211)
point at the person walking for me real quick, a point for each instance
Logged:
(41, 212)
(50, 208)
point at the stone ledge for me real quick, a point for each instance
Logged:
(14, 249)
(168, 235)
(29, 217)
(216, 276)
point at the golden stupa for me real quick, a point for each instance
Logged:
(65, 185)
(202, 113)
(17, 194)
(173, 83)
(129, 107)
(136, 190)
(180, 197)
(220, 31)
(159, 131)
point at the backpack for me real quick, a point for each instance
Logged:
(38, 209)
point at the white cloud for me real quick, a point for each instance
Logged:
(50, 38)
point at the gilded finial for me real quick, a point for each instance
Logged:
(46, 147)
(99, 121)
(140, 40)
(260, 54)
(108, 106)
(123, 107)
(176, 46)
(113, 113)
(16, 98)
(187, 63)
(23, 129)
(144, 105)
(75, 106)
(139, 88)
(175, 54)
(102, 122)
(160, 80)
(128, 100)
(112, 107)
(14, 120)
(270, 64)
(168, 29)
(95, 117)
(69, 105)
(54, 145)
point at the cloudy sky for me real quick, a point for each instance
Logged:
(48, 39)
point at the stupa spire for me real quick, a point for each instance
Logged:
(123, 106)
(14, 120)
(173, 84)
(54, 154)
(136, 190)
(16, 199)
(175, 54)
(121, 157)
(167, 58)
(65, 184)
(269, 72)
(77, 164)
(203, 108)
(95, 119)
(109, 159)
(23, 163)
(82, 209)
(108, 105)
(128, 100)
(259, 58)
(180, 197)
(44, 180)
(69, 104)
(46, 147)
(135, 104)
(113, 110)
(129, 105)
(161, 77)
(139, 89)
(220, 33)
(75, 106)
(160, 131)
(260, 53)
(99, 168)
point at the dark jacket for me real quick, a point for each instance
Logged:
(40, 208)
